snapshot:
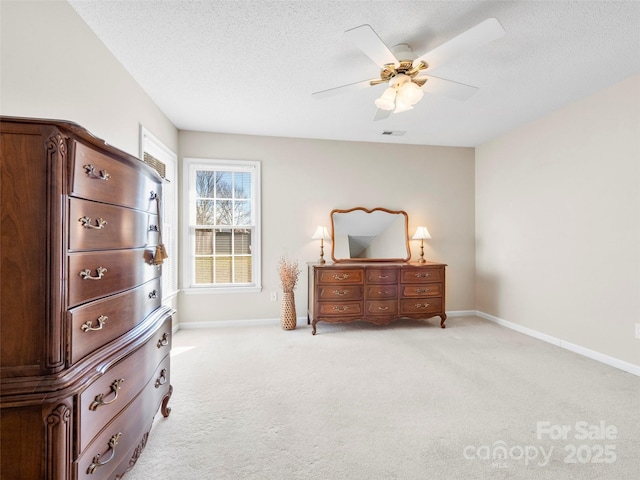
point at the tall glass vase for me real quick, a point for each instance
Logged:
(288, 311)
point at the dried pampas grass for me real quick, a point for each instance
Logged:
(289, 273)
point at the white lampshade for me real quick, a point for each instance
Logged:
(321, 233)
(421, 233)
(387, 100)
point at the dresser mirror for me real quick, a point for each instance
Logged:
(361, 235)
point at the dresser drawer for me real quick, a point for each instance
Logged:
(421, 275)
(108, 395)
(340, 292)
(381, 292)
(426, 290)
(342, 309)
(93, 275)
(125, 431)
(99, 177)
(381, 307)
(420, 305)
(341, 275)
(99, 226)
(97, 323)
(382, 275)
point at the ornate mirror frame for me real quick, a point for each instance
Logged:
(370, 227)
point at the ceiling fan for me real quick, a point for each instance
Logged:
(406, 75)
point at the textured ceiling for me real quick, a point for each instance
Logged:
(250, 67)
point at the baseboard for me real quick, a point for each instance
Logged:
(585, 352)
(273, 321)
(232, 323)
(461, 313)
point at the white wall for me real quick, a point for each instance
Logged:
(303, 180)
(54, 66)
(557, 202)
(558, 223)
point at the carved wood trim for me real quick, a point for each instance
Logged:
(136, 455)
(56, 154)
(58, 443)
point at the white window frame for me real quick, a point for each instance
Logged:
(150, 144)
(189, 167)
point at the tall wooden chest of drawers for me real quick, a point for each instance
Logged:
(376, 292)
(84, 339)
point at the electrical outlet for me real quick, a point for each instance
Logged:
(274, 296)
(638, 330)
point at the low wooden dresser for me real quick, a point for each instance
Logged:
(376, 292)
(85, 341)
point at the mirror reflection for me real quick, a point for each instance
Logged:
(359, 234)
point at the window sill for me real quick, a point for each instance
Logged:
(220, 290)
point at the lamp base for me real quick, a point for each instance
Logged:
(422, 260)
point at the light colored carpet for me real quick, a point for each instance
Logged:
(406, 401)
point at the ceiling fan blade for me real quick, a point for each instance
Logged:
(475, 37)
(342, 89)
(367, 40)
(381, 114)
(448, 88)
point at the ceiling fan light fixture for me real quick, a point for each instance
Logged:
(410, 93)
(399, 80)
(402, 105)
(387, 100)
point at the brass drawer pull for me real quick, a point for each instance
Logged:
(422, 290)
(86, 273)
(164, 341)
(344, 276)
(96, 460)
(87, 327)
(382, 277)
(341, 293)
(421, 305)
(342, 308)
(422, 275)
(162, 379)
(383, 308)
(99, 400)
(91, 172)
(153, 294)
(383, 292)
(86, 223)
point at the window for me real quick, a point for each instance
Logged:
(151, 146)
(224, 219)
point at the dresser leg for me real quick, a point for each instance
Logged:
(443, 318)
(308, 320)
(313, 332)
(164, 409)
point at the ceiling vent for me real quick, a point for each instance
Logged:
(396, 133)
